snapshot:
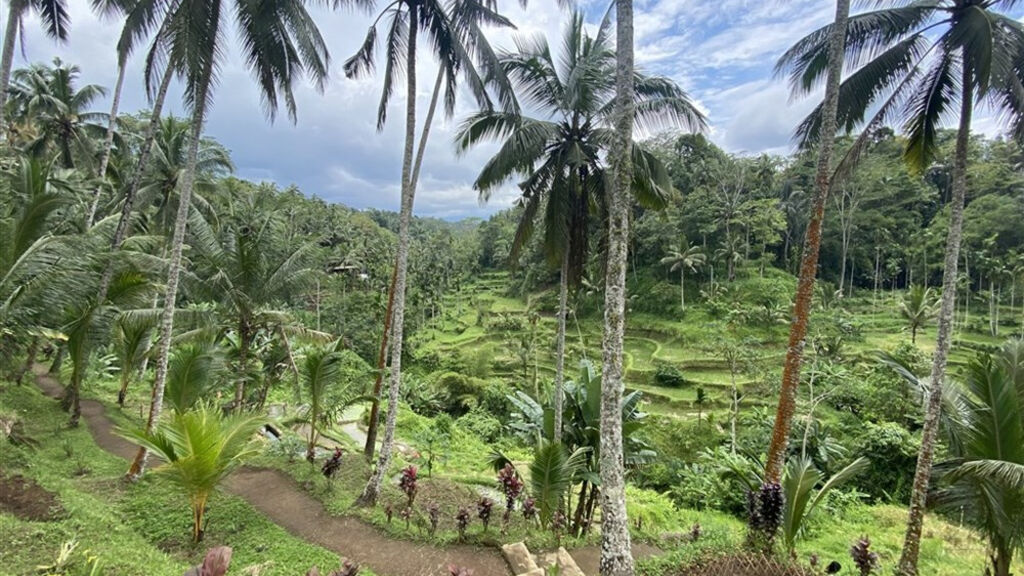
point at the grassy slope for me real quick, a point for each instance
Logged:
(142, 529)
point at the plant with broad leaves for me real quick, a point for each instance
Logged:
(406, 515)
(462, 522)
(863, 557)
(483, 510)
(332, 464)
(434, 515)
(407, 483)
(529, 509)
(511, 485)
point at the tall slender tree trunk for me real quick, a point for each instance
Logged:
(371, 432)
(809, 259)
(616, 550)
(563, 307)
(138, 466)
(30, 360)
(372, 489)
(7, 59)
(682, 289)
(919, 493)
(245, 331)
(108, 142)
(123, 222)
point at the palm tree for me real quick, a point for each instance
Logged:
(917, 308)
(616, 549)
(320, 376)
(55, 19)
(559, 155)
(681, 258)
(30, 242)
(192, 373)
(132, 339)
(57, 109)
(467, 52)
(200, 447)
(731, 252)
(920, 60)
(281, 43)
(831, 63)
(457, 42)
(242, 269)
(109, 9)
(983, 478)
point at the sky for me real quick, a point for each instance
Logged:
(721, 52)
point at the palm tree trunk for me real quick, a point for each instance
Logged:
(372, 489)
(244, 342)
(616, 550)
(371, 432)
(108, 142)
(682, 289)
(138, 466)
(563, 297)
(30, 360)
(812, 246)
(129, 198)
(7, 59)
(919, 493)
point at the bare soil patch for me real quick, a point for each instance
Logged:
(27, 500)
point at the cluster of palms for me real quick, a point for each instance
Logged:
(281, 45)
(911, 62)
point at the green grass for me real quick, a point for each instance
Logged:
(142, 529)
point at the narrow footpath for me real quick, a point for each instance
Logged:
(281, 499)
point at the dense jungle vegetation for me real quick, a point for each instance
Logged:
(638, 361)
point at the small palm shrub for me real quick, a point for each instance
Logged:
(199, 448)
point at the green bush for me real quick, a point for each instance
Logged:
(668, 376)
(893, 452)
(481, 423)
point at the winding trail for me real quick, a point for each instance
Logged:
(281, 499)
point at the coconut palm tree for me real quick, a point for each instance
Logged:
(48, 99)
(559, 155)
(681, 258)
(280, 42)
(109, 9)
(984, 477)
(831, 64)
(55, 20)
(917, 308)
(242, 268)
(616, 549)
(731, 252)
(199, 447)
(30, 242)
(132, 339)
(456, 43)
(920, 61)
(468, 53)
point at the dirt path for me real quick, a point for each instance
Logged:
(278, 496)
